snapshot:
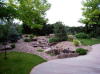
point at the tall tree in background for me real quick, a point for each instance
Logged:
(30, 12)
(91, 13)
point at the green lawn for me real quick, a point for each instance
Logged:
(19, 63)
(89, 41)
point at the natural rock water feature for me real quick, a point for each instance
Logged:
(61, 49)
(41, 42)
(50, 51)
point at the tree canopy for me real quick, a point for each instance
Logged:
(30, 11)
(91, 12)
(6, 12)
(91, 19)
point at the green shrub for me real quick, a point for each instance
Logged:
(26, 35)
(27, 40)
(82, 35)
(13, 45)
(76, 42)
(81, 51)
(71, 37)
(31, 36)
(51, 54)
(40, 50)
(54, 39)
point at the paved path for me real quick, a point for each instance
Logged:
(88, 64)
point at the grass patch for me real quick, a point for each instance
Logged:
(18, 63)
(40, 50)
(90, 41)
(51, 54)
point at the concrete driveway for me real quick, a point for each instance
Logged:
(88, 64)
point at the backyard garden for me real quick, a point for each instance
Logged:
(26, 45)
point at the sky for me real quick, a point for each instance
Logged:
(67, 11)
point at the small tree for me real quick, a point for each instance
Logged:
(4, 37)
(7, 14)
(60, 32)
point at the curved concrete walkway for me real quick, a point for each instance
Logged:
(88, 64)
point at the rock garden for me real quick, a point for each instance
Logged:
(27, 38)
(62, 49)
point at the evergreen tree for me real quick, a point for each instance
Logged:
(13, 35)
(60, 31)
